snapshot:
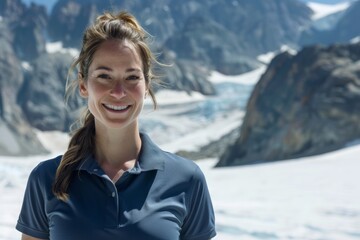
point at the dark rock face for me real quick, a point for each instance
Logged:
(303, 105)
(208, 43)
(10, 77)
(246, 28)
(29, 38)
(262, 26)
(11, 10)
(69, 19)
(27, 24)
(184, 75)
(17, 137)
(342, 32)
(345, 29)
(42, 94)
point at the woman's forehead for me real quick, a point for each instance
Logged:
(117, 51)
(116, 45)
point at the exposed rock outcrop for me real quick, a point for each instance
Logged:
(29, 36)
(303, 105)
(42, 94)
(17, 137)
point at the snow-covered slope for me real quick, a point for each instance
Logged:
(322, 10)
(305, 199)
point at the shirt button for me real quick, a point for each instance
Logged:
(113, 194)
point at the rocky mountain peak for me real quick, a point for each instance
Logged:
(303, 105)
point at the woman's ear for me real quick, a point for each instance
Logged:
(82, 86)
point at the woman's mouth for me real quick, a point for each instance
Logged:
(116, 107)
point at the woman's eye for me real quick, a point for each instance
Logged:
(133, 77)
(104, 76)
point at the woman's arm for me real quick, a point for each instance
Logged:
(27, 237)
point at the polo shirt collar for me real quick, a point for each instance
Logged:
(151, 157)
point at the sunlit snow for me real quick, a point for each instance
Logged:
(305, 199)
(53, 47)
(267, 57)
(355, 40)
(322, 10)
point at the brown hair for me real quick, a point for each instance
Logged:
(122, 26)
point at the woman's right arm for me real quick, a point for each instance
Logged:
(33, 219)
(27, 237)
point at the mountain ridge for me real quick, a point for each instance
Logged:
(194, 37)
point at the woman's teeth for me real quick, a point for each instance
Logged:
(116, 108)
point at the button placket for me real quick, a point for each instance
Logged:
(113, 197)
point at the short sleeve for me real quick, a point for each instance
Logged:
(199, 223)
(32, 219)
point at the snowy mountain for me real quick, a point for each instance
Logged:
(332, 24)
(49, 112)
(327, 2)
(27, 30)
(304, 199)
(322, 10)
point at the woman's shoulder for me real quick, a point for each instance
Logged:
(46, 168)
(182, 166)
(42, 176)
(179, 160)
(153, 155)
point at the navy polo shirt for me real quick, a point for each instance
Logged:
(163, 197)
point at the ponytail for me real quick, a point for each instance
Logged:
(80, 146)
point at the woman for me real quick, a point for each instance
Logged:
(113, 182)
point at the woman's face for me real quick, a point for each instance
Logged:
(116, 85)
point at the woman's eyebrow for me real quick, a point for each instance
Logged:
(110, 69)
(103, 68)
(133, 70)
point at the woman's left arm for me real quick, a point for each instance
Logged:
(200, 220)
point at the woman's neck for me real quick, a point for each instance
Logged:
(117, 149)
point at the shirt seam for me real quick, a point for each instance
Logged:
(25, 229)
(209, 234)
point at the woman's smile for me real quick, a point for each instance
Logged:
(117, 108)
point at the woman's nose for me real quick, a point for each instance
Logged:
(118, 90)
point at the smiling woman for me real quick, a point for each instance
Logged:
(116, 87)
(113, 182)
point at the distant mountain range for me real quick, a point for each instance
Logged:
(328, 1)
(50, 3)
(197, 37)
